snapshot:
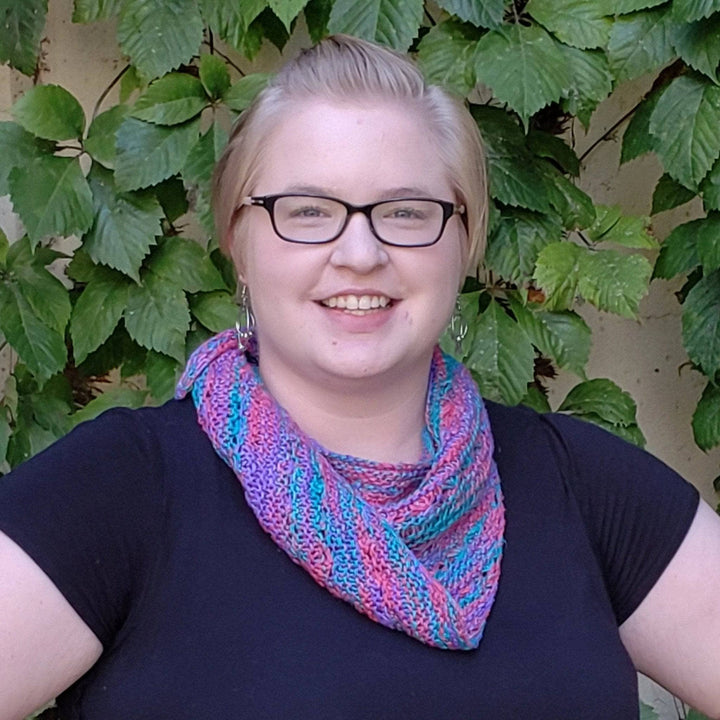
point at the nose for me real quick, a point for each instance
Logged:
(357, 248)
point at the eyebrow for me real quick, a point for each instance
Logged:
(389, 193)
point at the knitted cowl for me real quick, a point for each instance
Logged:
(416, 548)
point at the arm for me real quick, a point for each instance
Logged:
(44, 645)
(674, 634)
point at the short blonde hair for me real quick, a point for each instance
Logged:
(347, 69)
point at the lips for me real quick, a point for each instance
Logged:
(357, 302)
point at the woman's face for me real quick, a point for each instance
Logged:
(360, 153)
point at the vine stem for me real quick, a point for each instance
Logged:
(610, 130)
(215, 51)
(107, 90)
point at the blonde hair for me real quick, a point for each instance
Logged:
(347, 69)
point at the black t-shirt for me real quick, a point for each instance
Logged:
(147, 533)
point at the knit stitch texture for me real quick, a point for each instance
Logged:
(416, 548)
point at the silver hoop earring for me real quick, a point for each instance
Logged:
(245, 324)
(458, 326)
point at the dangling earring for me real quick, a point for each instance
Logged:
(245, 324)
(458, 326)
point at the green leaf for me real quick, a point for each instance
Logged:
(41, 348)
(524, 67)
(706, 419)
(87, 11)
(701, 324)
(214, 76)
(630, 231)
(637, 139)
(536, 400)
(679, 253)
(581, 23)
(562, 336)
(51, 406)
(5, 431)
(4, 247)
(481, 13)
(157, 316)
(647, 712)
(502, 356)
(115, 397)
(446, 56)
(614, 282)
(317, 16)
(690, 10)
(124, 227)
(217, 311)
(29, 437)
(130, 82)
(171, 100)
(162, 374)
(172, 196)
(557, 273)
(205, 153)
(640, 43)
(148, 154)
(388, 22)
(159, 36)
(45, 294)
(101, 138)
(83, 270)
(514, 174)
(710, 188)
(669, 194)
(52, 197)
(629, 433)
(22, 27)
(243, 92)
(601, 397)
(556, 149)
(96, 314)
(622, 7)
(287, 10)
(50, 112)
(515, 243)
(590, 81)
(118, 351)
(18, 148)
(708, 242)
(231, 22)
(575, 207)
(185, 264)
(697, 44)
(684, 125)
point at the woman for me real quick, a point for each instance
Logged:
(230, 554)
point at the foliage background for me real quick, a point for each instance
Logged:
(138, 295)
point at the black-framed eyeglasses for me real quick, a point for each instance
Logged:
(317, 219)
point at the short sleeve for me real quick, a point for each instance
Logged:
(636, 509)
(87, 510)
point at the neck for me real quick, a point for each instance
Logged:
(376, 419)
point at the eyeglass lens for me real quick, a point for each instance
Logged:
(316, 219)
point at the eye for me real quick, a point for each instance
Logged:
(309, 211)
(406, 213)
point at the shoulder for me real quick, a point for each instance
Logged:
(635, 510)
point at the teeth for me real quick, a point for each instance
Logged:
(354, 302)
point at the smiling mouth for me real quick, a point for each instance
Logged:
(357, 304)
